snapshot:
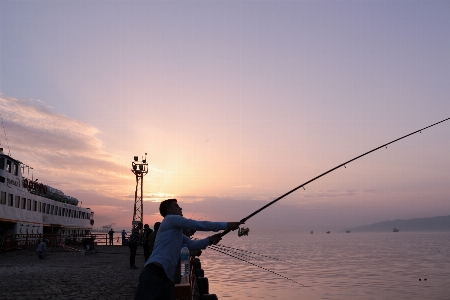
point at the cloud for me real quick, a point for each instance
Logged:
(247, 186)
(67, 154)
(64, 150)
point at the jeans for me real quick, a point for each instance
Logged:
(146, 251)
(133, 249)
(154, 285)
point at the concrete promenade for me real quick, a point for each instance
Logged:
(69, 275)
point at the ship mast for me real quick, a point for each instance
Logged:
(140, 169)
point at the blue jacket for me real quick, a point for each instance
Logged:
(170, 239)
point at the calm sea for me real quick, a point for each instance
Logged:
(331, 266)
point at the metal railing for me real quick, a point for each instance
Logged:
(12, 242)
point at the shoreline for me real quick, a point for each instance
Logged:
(70, 275)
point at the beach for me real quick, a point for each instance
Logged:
(69, 275)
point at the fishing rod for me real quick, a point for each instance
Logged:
(245, 230)
(218, 249)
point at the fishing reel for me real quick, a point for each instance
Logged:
(243, 231)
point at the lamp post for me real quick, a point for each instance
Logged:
(140, 169)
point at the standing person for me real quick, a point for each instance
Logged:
(133, 241)
(145, 236)
(42, 250)
(152, 237)
(111, 236)
(124, 234)
(156, 280)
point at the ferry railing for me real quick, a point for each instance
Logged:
(30, 241)
(100, 238)
(20, 241)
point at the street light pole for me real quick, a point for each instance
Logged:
(140, 169)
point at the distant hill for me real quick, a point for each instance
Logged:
(419, 224)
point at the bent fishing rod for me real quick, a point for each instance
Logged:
(243, 231)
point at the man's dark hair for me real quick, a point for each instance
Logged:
(156, 226)
(165, 205)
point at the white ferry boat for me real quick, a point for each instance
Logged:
(30, 207)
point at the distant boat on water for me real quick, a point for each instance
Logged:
(328, 232)
(395, 230)
(105, 228)
(312, 232)
(347, 231)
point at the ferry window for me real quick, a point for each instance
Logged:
(29, 204)
(34, 205)
(70, 213)
(24, 203)
(2, 179)
(44, 205)
(63, 211)
(17, 201)
(10, 199)
(51, 209)
(39, 206)
(16, 169)
(2, 163)
(8, 166)
(3, 198)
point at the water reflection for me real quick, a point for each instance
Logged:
(337, 266)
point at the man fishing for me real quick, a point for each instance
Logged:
(156, 280)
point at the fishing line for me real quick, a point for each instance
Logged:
(254, 253)
(234, 250)
(329, 171)
(215, 248)
(245, 255)
(194, 212)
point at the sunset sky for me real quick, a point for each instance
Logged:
(235, 103)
